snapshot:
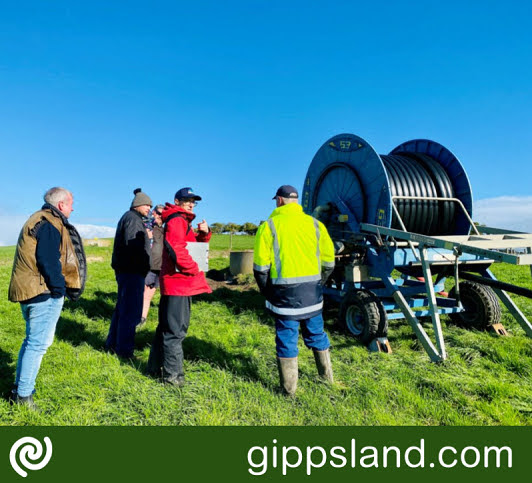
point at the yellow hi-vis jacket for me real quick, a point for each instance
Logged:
(292, 251)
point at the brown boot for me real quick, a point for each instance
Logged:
(288, 374)
(323, 363)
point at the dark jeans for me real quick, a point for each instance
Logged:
(166, 355)
(127, 314)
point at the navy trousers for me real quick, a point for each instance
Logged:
(127, 314)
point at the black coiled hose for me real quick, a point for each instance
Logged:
(416, 174)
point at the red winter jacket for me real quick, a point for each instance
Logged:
(187, 279)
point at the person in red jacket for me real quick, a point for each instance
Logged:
(180, 278)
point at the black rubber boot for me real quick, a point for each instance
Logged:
(323, 363)
(288, 375)
(12, 396)
(177, 381)
(28, 402)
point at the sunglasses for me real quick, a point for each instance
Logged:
(157, 213)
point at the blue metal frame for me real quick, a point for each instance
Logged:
(348, 173)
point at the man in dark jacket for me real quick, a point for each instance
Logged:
(49, 264)
(131, 263)
(180, 278)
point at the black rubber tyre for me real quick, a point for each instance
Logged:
(362, 315)
(481, 306)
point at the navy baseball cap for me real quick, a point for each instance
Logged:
(186, 193)
(286, 191)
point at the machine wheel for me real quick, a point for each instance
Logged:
(363, 316)
(481, 306)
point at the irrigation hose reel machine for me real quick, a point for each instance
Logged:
(401, 224)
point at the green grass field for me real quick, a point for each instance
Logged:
(231, 370)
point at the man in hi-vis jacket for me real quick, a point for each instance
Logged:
(293, 257)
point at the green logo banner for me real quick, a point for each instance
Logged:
(263, 454)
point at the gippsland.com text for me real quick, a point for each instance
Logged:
(281, 458)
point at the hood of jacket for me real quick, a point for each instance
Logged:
(170, 209)
(56, 213)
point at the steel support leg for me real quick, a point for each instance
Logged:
(413, 321)
(510, 305)
(434, 314)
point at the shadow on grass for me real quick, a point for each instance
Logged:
(242, 366)
(144, 338)
(238, 301)
(75, 333)
(101, 305)
(8, 373)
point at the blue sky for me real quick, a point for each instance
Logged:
(234, 98)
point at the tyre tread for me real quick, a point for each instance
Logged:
(376, 322)
(491, 313)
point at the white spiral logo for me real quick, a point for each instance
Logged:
(31, 449)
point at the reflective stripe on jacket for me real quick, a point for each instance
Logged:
(290, 250)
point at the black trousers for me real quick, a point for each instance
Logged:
(166, 355)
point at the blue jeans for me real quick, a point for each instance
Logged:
(41, 319)
(287, 331)
(127, 314)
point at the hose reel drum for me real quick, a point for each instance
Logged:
(347, 177)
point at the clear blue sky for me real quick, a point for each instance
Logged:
(234, 98)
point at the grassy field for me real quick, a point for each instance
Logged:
(231, 371)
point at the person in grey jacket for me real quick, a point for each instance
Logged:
(151, 284)
(131, 263)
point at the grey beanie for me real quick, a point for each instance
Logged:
(140, 199)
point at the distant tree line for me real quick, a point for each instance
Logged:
(232, 228)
